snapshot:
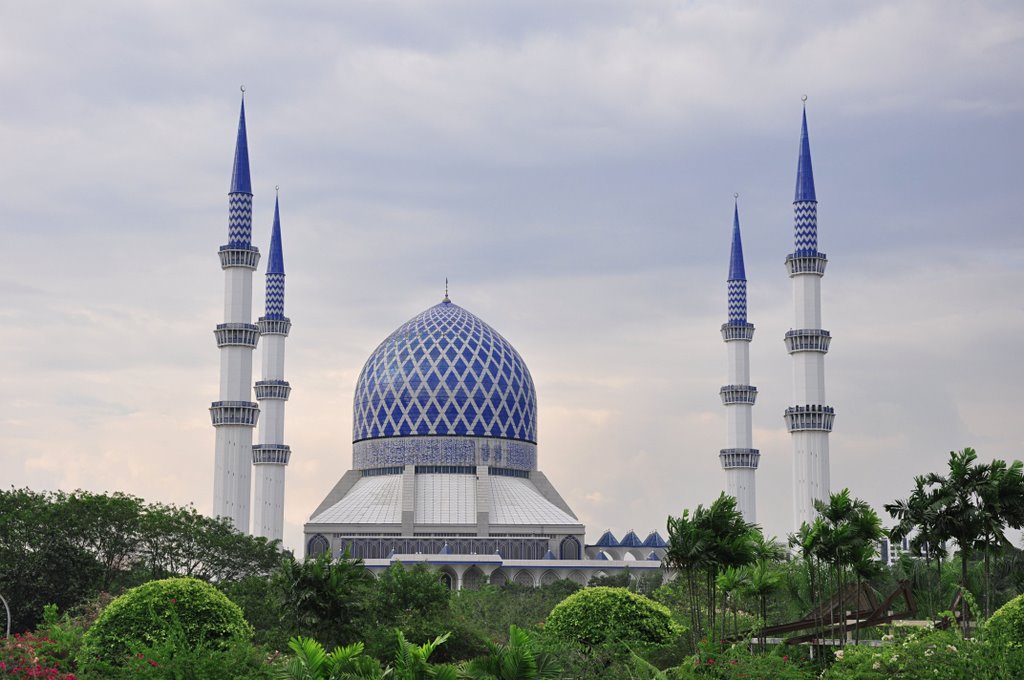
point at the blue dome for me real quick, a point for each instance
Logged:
(445, 373)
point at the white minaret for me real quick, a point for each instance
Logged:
(271, 455)
(809, 420)
(234, 415)
(739, 459)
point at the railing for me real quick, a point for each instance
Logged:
(237, 335)
(273, 389)
(811, 417)
(234, 413)
(739, 458)
(738, 394)
(271, 454)
(737, 331)
(807, 340)
(274, 326)
(239, 257)
(806, 264)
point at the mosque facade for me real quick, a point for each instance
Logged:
(445, 458)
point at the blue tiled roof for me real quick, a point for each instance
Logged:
(804, 172)
(607, 540)
(736, 269)
(275, 261)
(549, 555)
(240, 182)
(654, 540)
(445, 550)
(631, 540)
(653, 556)
(601, 556)
(445, 372)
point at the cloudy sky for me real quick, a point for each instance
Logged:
(570, 167)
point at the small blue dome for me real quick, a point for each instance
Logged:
(445, 372)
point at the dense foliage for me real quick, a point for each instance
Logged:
(149, 613)
(331, 618)
(63, 549)
(1007, 623)
(597, 615)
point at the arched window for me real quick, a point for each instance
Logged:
(317, 546)
(569, 548)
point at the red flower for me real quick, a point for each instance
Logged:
(785, 658)
(710, 661)
(152, 663)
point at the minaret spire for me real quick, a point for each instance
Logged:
(739, 459)
(809, 420)
(271, 455)
(234, 415)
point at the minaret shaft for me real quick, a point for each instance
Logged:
(234, 415)
(809, 419)
(739, 459)
(270, 457)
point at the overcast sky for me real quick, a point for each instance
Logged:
(570, 167)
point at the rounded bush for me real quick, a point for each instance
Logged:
(1007, 622)
(596, 615)
(188, 609)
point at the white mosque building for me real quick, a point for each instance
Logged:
(445, 456)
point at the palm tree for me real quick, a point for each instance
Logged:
(312, 662)
(917, 515)
(687, 552)
(1002, 506)
(958, 496)
(518, 660)
(730, 582)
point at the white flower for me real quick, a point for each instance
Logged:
(839, 654)
(929, 652)
(876, 665)
(886, 638)
(894, 657)
(951, 648)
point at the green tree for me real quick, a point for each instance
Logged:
(402, 591)
(323, 598)
(146, 614)
(594, 616)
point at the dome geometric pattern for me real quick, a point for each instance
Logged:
(445, 372)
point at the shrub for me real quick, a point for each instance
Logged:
(931, 655)
(1007, 623)
(147, 614)
(595, 615)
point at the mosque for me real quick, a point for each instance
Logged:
(445, 457)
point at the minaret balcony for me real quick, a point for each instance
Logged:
(797, 263)
(274, 326)
(737, 331)
(231, 256)
(808, 340)
(237, 335)
(739, 458)
(271, 454)
(810, 418)
(738, 394)
(234, 413)
(273, 389)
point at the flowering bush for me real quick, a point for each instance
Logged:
(932, 654)
(30, 656)
(736, 661)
